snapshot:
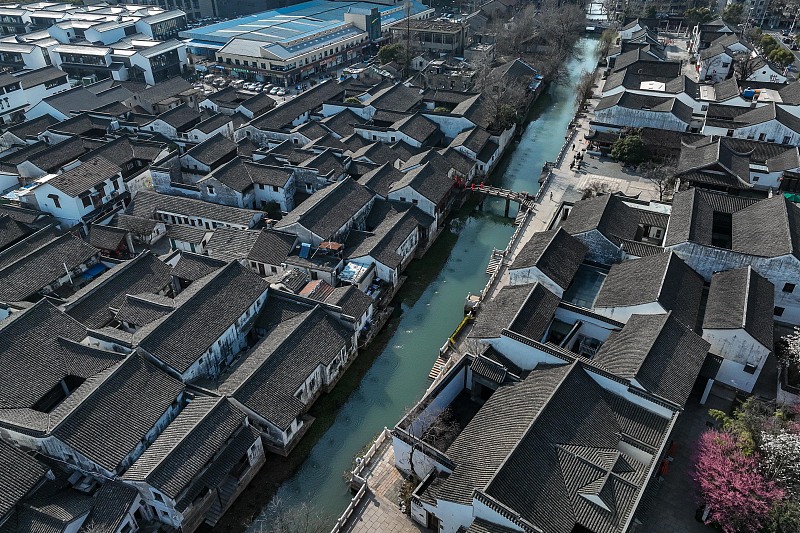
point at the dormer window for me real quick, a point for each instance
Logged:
(210, 189)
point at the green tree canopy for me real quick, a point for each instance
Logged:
(629, 149)
(392, 52)
(732, 14)
(768, 44)
(781, 56)
(698, 15)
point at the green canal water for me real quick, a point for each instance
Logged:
(429, 312)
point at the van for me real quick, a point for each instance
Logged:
(237, 84)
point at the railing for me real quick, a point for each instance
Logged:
(342, 520)
(356, 473)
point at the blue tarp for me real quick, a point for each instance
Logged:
(94, 271)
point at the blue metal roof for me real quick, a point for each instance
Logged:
(294, 22)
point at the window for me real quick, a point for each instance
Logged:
(414, 201)
(56, 200)
(704, 108)
(785, 139)
(750, 369)
(402, 199)
(778, 311)
(210, 189)
(236, 61)
(725, 65)
(756, 178)
(730, 133)
(86, 201)
(762, 136)
(788, 287)
(158, 497)
(274, 188)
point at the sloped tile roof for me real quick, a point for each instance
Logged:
(556, 253)
(192, 267)
(664, 278)
(606, 213)
(267, 378)
(741, 299)
(113, 418)
(19, 474)
(659, 352)
(187, 445)
(93, 304)
(203, 312)
(329, 209)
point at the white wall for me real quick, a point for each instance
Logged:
(622, 314)
(522, 276)
(738, 348)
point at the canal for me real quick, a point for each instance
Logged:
(430, 313)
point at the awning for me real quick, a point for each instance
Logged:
(94, 271)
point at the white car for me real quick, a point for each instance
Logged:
(274, 90)
(281, 92)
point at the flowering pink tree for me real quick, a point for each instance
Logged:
(738, 496)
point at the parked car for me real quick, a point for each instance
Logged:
(281, 92)
(274, 90)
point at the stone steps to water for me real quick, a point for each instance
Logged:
(520, 216)
(495, 261)
(437, 368)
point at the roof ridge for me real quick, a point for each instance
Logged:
(670, 255)
(102, 281)
(749, 270)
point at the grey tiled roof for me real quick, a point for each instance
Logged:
(607, 213)
(536, 447)
(190, 234)
(381, 179)
(353, 302)
(213, 122)
(282, 116)
(146, 203)
(192, 267)
(663, 278)
(19, 474)
(398, 97)
(342, 123)
(186, 446)
(741, 299)
(654, 104)
(488, 369)
(271, 247)
(427, 181)
(231, 243)
(214, 150)
(714, 155)
(52, 508)
(181, 118)
(106, 237)
(525, 309)
(329, 209)
(781, 237)
(92, 304)
(205, 310)
(111, 505)
(136, 225)
(556, 253)
(266, 379)
(660, 353)
(21, 276)
(85, 176)
(118, 412)
(12, 231)
(483, 526)
(398, 222)
(693, 211)
(418, 127)
(143, 309)
(639, 249)
(38, 349)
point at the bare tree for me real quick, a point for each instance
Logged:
(505, 95)
(662, 175)
(557, 30)
(583, 91)
(430, 428)
(746, 64)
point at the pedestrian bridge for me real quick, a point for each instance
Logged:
(524, 199)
